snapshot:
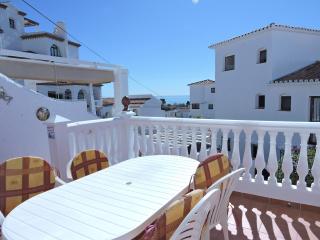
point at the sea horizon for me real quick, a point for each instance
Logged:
(175, 99)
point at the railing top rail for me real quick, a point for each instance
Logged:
(223, 123)
(91, 123)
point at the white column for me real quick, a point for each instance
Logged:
(92, 103)
(120, 87)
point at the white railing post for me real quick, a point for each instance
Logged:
(224, 149)
(287, 165)
(59, 143)
(203, 148)
(235, 159)
(316, 166)
(272, 165)
(247, 157)
(124, 137)
(259, 161)
(303, 168)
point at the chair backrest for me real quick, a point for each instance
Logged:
(22, 178)
(85, 163)
(210, 170)
(191, 227)
(226, 185)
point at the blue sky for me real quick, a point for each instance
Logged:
(164, 43)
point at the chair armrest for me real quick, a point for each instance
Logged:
(68, 170)
(59, 181)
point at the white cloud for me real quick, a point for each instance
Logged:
(195, 1)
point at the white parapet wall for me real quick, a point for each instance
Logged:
(21, 133)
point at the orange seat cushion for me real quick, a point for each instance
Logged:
(88, 162)
(210, 170)
(22, 178)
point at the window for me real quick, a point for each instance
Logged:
(81, 94)
(213, 90)
(52, 94)
(12, 23)
(68, 94)
(261, 101)
(195, 106)
(210, 106)
(285, 104)
(229, 63)
(54, 51)
(262, 56)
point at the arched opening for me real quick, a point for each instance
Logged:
(54, 51)
(68, 94)
(81, 94)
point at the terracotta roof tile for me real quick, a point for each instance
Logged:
(310, 73)
(203, 82)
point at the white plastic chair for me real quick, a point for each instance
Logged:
(191, 227)
(219, 214)
(1, 222)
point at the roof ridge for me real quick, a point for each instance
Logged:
(202, 82)
(269, 26)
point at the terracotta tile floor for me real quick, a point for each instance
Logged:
(252, 217)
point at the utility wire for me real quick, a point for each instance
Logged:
(84, 44)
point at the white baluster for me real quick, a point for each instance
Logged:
(203, 149)
(150, 146)
(287, 166)
(99, 140)
(259, 161)
(316, 167)
(272, 165)
(112, 141)
(175, 150)
(303, 168)
(224, 149)
(193, 151)
(143, 146)
(184, 147)
(136, 145)
(81, 141)
(213, 149)
(247, 158)
(166, 141)
(158, 149)
(235, 159)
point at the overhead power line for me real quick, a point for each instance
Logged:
(84, 44)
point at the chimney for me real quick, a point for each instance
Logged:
(60, 30)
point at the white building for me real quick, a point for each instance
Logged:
(202, 99)
(269, 74)
(146, 105)
(49, 62)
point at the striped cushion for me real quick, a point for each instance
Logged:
(88, 162)
(23, 178)
(168, 222)
(210, 170)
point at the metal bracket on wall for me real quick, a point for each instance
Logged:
(4, 96)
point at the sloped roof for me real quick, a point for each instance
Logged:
(310, 73)
(107, 102)
(268, 27)
(47, 35)
(136, 101)
(203, 82)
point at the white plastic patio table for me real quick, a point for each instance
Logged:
(116, 203)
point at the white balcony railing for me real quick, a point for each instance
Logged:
(274, 154)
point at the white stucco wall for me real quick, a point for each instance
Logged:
(42, 45)
(236, 90)
(73, 51)
(21, 132)
(202, 94)
(10, 38)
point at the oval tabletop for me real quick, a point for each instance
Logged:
(115, 203)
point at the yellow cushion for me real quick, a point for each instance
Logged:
(22, 178)
(210, 170)
(168, 222)
(88, 162)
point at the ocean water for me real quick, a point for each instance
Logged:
(176, 98)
